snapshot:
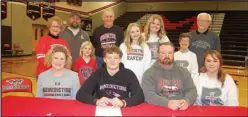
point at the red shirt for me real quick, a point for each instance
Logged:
(84, 69)
(43, 47)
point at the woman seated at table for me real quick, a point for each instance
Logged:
(58, 82)
(215, 87)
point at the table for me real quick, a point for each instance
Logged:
(27, 106)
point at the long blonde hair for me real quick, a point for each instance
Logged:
(161, 32)
(128, 40)
(58, 48)
(86, 43)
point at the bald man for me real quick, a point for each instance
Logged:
(203, 39)
(106, 35)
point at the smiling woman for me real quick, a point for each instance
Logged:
(58, 82)
(54, 26)
(215, 87)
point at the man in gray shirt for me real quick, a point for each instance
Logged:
(203, 39)
(167, 84)
(74, 35)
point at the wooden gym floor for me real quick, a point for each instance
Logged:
(26, 67)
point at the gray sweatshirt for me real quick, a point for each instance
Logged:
(161, 85)
(63, 87)
(74, 42)
(202, 42)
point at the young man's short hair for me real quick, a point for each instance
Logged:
(111, 50)
(183, 35)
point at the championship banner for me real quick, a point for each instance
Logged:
(86, 24)
(3, 9)
(33, 9)
(48, 9)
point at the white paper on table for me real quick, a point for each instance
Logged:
(108, 111)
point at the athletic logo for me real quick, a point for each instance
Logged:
(15, 81)
(211, 96)
(112, 94)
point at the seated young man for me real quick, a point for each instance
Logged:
(112, 85)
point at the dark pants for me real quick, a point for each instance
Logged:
(99, 62)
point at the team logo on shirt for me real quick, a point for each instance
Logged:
(108, 40)
(154, 49)
(136, 55)
(82, 37)
(201, 44)
(86, 72)
(56, 91)
(211, 96)
(112, 94)
(182, 63)
(169, 88)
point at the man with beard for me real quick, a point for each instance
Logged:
(168, 84)
(74, 35)
(106, 35)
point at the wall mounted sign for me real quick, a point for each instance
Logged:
(33, 9)
(3, 9)
(48, 9)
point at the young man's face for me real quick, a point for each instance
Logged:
(112, 61)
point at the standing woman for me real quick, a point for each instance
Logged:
(58, 81)
(54, 26)
(136, 53)
(154, 34)
(215, 87)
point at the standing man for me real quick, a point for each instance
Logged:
(168, 84)
(203, 39)
(74, 35)
(106, 35)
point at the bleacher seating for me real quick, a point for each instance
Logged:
(232, 30)
(234, 38)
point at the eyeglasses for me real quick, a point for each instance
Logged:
(203, 21)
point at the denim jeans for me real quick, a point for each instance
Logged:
(99, 62)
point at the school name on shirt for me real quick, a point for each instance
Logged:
(112, 86)
(55, 91)
(136, 54)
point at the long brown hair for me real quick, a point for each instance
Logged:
(161, 32)
(221, 75)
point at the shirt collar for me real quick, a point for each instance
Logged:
(206, 32)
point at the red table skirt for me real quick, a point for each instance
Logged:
(28, 106)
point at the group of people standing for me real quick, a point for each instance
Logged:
(113, 69)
